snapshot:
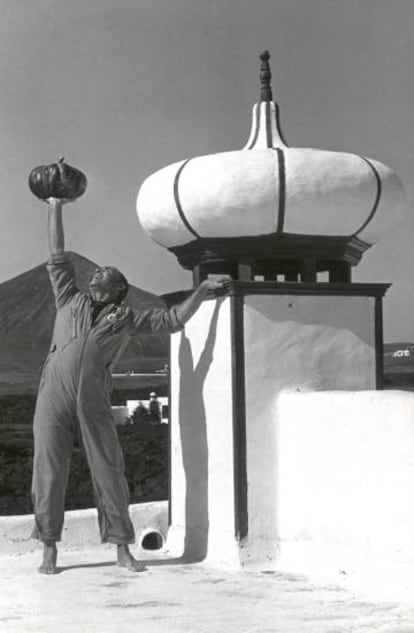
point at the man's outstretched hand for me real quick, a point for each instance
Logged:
(210, 286)
(214, 283)
(57, 201)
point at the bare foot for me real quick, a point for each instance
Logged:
(48, 565)
(125, 559)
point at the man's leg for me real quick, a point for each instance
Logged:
(125, 559)
(48, 564)
(52, 449)
(106, 463)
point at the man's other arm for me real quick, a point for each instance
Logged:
(174, 318)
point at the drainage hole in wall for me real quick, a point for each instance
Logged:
(152, 540)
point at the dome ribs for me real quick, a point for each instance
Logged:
(278, 128)
(282, 191)
(269, 135)
(265, 131)
(178, 201)
(255, 128)
(377, 197)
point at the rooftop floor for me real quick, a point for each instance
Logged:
(90, 594)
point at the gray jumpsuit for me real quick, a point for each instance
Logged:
(75, 390)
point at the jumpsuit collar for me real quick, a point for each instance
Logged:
(101, 311)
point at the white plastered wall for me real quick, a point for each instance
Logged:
(330, 472)
(344, 467)
(295, 343)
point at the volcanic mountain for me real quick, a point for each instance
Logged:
(27, 312)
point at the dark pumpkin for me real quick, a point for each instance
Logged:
(58, 180)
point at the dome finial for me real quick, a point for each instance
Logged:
(265, 77)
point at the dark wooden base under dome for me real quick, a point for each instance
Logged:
(280, 257)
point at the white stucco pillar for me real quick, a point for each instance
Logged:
(236, 355)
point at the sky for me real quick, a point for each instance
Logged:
(121, 88)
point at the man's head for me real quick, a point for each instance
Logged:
(108, 285)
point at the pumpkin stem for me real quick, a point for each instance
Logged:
(61, 159)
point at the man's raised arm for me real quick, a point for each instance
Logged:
(55, 227)
(60, 269)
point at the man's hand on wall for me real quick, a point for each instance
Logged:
(214, 283)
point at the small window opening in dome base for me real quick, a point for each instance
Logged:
(309, 270)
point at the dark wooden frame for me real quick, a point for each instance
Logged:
(296, 257)
(239, 418)
(237, 291)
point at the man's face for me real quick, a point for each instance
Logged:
(105, 284)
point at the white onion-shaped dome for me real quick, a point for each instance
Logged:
(268, 188)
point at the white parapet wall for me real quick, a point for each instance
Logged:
(344, 467)
(120, 415)
(81, 528)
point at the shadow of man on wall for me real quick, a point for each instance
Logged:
(193, 435)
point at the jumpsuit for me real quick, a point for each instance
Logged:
(74, 393)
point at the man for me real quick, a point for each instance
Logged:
(154, 408)
(91, 330)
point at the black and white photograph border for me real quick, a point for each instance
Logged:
(206, 333)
